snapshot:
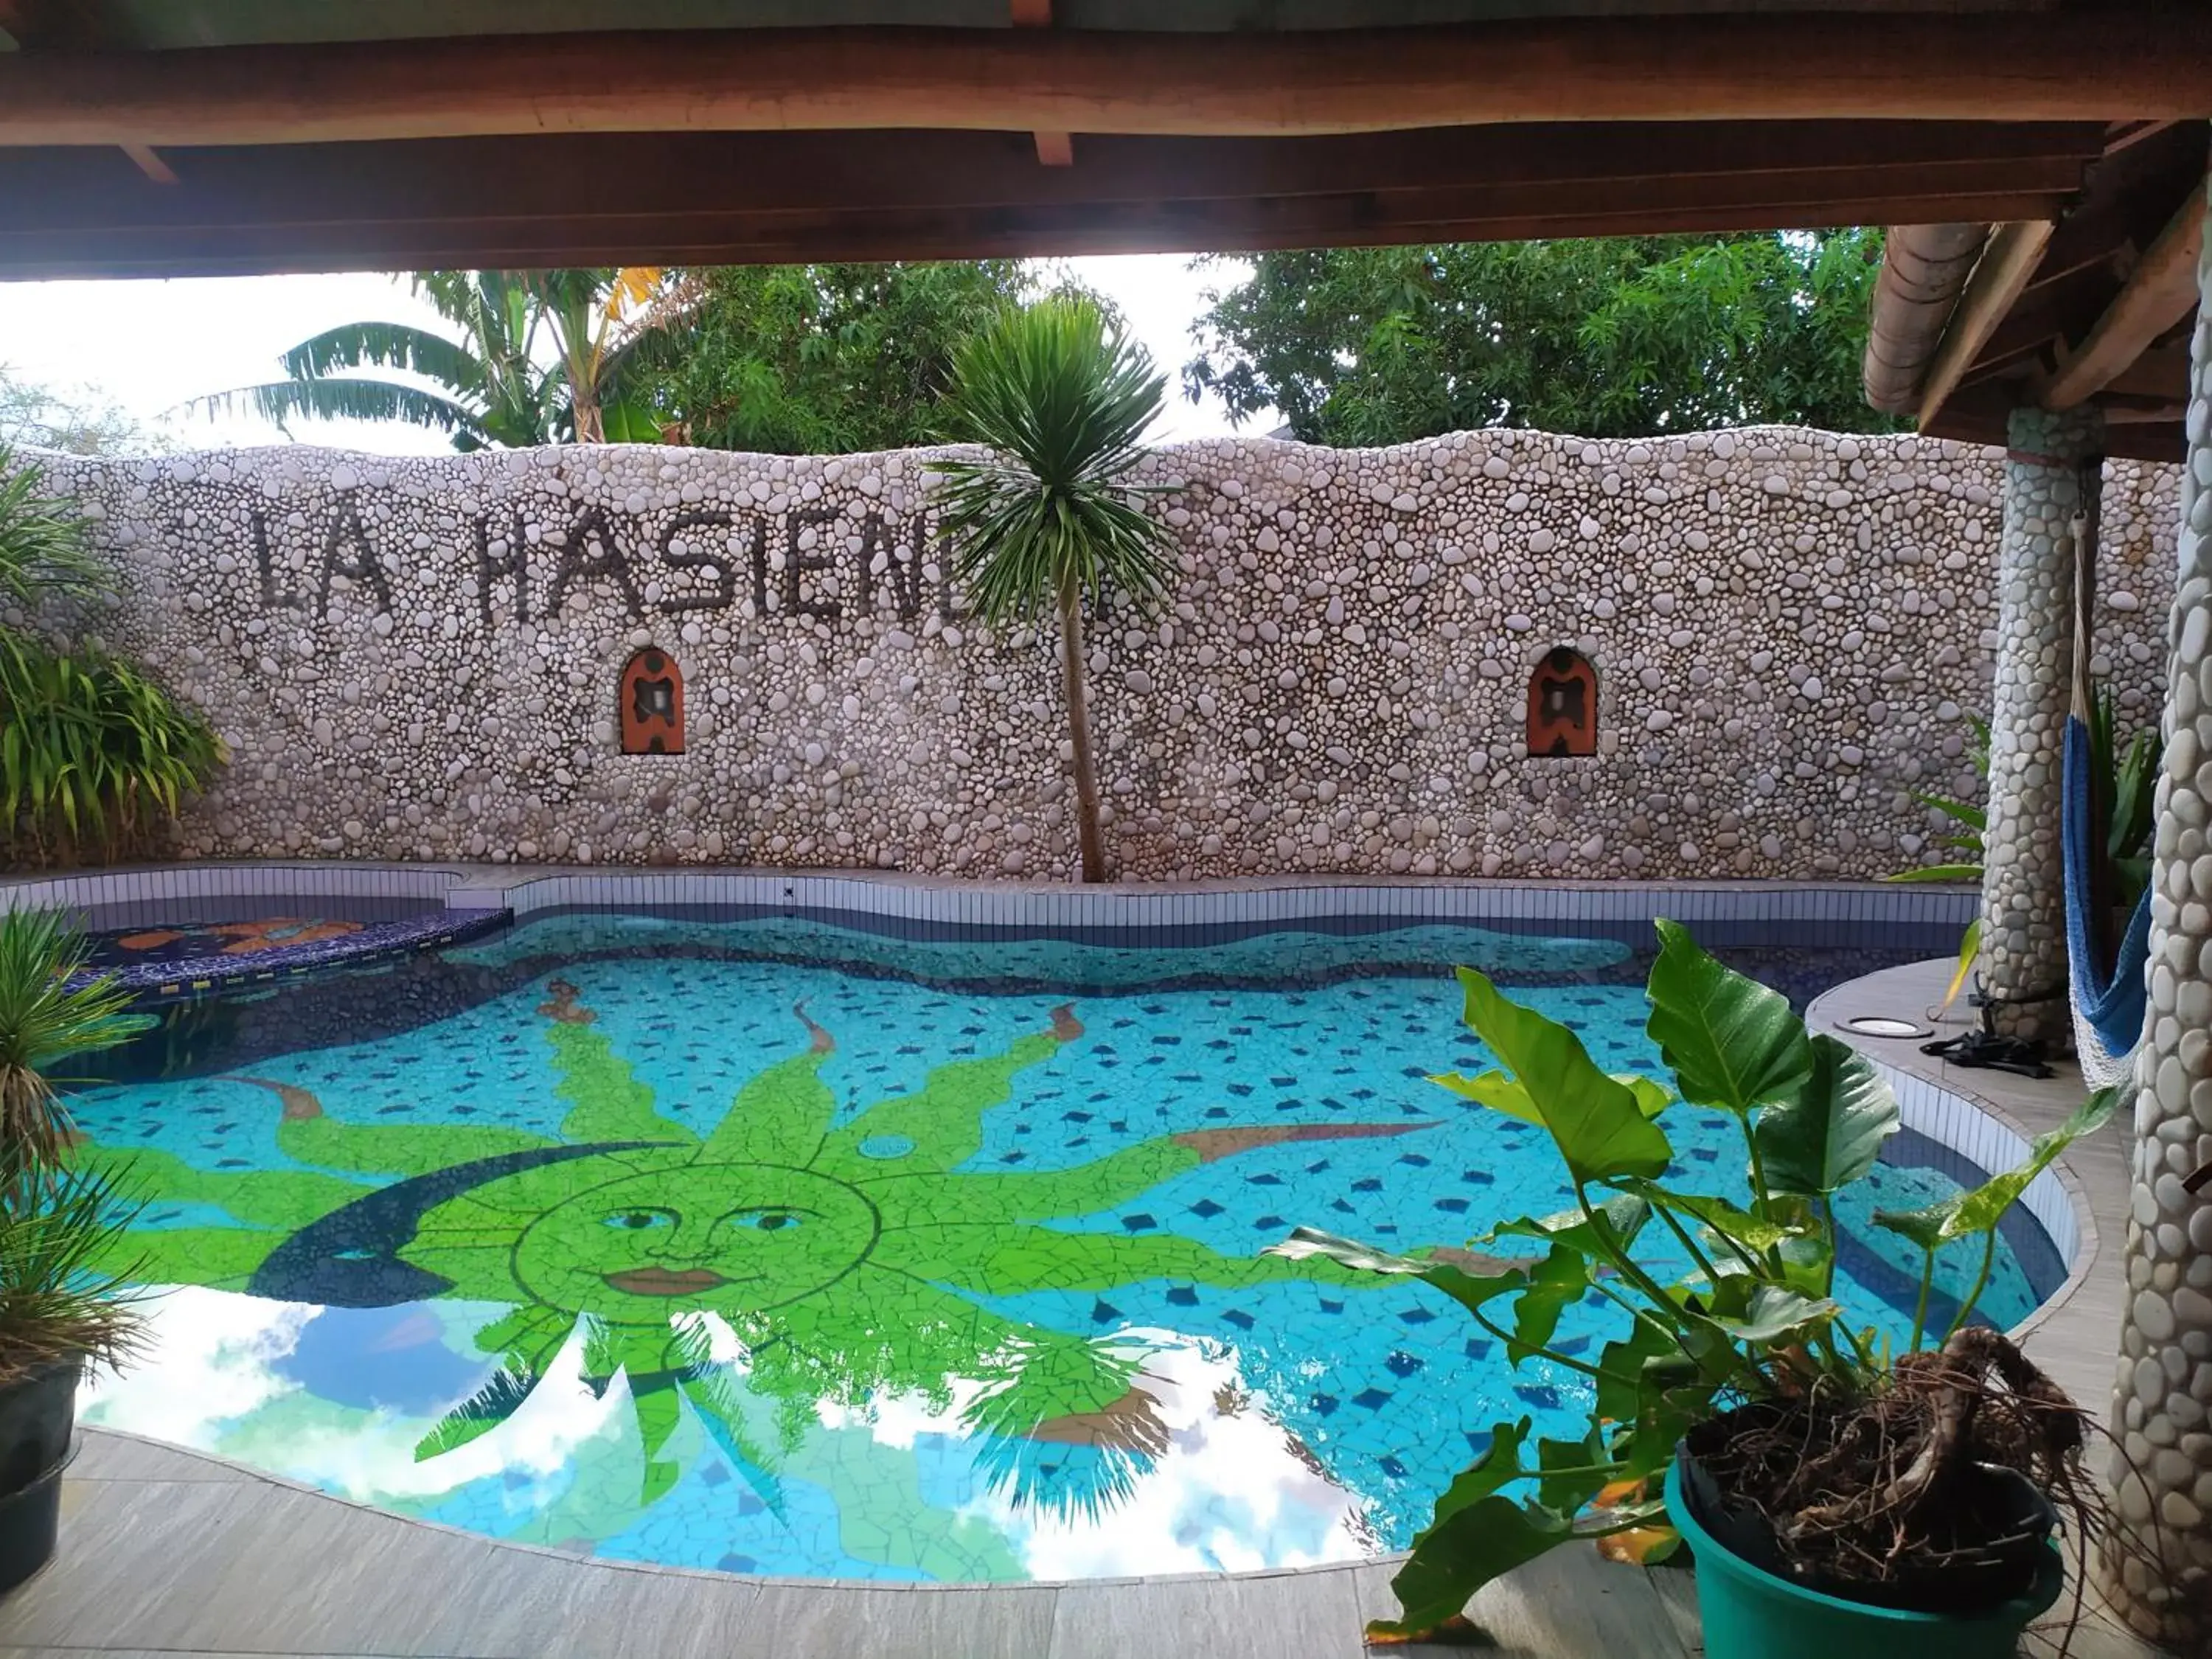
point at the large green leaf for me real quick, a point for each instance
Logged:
(1456, 1558)
(1565, 1483)
(1985, 1205)
(1554, 1285)
(1929, 1226)
(1627, 1382)
(1732, 1043)
(1477, 1535)
(1750, 1233)
(1965, 1214)
(1777, 1317)
(1624, 1214)
(1598, 1124)
(1497, 1467)
(1508, 1096)
(1470, 1291)
(1829, 1132)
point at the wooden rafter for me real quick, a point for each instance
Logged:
(2003, 270)
(150, 162)
(2128, 60)
(1054, 150)
(2160, 373)
(2158, 294)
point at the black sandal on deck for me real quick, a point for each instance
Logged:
(1986, 1050)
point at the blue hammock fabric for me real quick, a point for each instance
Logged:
(2108, 1011)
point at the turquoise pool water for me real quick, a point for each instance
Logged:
(783, 1249)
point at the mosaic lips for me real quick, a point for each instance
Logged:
(665, 1281)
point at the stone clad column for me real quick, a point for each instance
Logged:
(2023, 879)
(2162, 1401)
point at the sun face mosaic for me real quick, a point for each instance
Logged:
(737, 1264)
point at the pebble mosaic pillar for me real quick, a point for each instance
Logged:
(2023, 880)
(2162, 1401)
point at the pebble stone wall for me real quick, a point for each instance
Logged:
(2162, 1398)
(2024, 875)
(417, 659)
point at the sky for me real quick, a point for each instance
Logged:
(149, 347)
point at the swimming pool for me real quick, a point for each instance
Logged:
(783, 1247)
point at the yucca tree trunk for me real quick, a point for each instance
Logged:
(584, 405)
(1074, 687)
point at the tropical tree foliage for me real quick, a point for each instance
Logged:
(822, 359)
(1623, 337)
(539, 358)
(94, 755)
(1048, 518)
(74, 423)
(783, 359)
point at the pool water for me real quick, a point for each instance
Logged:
(765, 1248)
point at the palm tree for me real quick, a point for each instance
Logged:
(1046, 518)
(490, 391)
(598, 319)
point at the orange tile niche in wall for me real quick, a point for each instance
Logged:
(1563, 705)
(652, 704)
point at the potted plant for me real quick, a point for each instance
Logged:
(1842, 1492)
(63, 1304)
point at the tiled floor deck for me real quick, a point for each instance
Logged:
(169, 1553)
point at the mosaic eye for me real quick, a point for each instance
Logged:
(769, 1221)
(637, 1221)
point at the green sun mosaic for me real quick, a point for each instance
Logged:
(769, 1274)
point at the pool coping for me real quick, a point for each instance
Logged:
(529, 889)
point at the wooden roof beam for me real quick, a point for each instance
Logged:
(2162, 372)
(2128, 60)
(2159, 293)
(26, 24)
(2008, 262)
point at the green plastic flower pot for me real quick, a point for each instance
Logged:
(1749, 1613)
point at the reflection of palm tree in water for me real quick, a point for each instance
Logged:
(842, 1261)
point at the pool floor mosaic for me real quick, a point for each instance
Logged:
(771, 1267)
